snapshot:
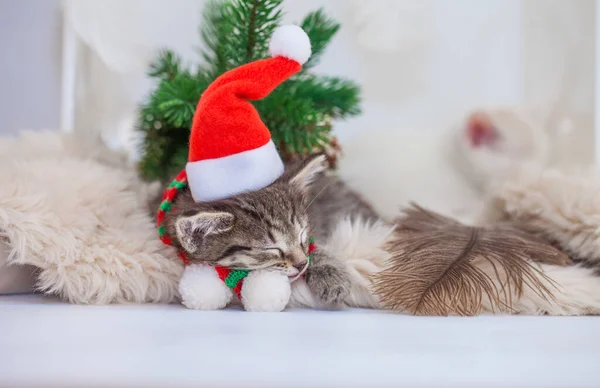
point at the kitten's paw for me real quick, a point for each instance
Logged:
(328, 282)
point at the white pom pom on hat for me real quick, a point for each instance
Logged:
(290, 41)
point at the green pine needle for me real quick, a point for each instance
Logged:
(167, 65)
(320, 29)
(337, 97)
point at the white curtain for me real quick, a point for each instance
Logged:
(421, 63)
(559, 72)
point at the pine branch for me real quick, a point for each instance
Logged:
(163, 156)
(320, 29)
(152, 164)
(268, 18)
(214, 33)
(238, 31)
(255, 21)
(166, 119)
(166, 66)
(251, 41)
(336, 96)
(297, 126)
(176, 98)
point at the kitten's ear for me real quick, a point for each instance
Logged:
(307, 171)
(480, 130)
(192, 230)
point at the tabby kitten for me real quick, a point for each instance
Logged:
(271, 227)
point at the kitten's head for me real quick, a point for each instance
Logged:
(492, 143)
(267, 228)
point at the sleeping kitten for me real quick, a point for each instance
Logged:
(445, 171)
(271, 227)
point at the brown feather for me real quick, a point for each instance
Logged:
(433, 268)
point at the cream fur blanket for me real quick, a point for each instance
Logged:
(77, 212)
(563, 207)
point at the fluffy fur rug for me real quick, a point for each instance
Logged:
(77, 212)
(563, 208)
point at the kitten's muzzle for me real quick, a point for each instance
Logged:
(300, 269)
(300, 266)
(296, 269)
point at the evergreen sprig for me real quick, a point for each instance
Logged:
(167, 66)
(320, 29)
(299, 112)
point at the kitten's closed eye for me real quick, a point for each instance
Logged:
(235, 249)
(278, 251)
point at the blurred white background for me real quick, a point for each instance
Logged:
(30, 68)
(421, 63)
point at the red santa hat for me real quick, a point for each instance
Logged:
(231, 150)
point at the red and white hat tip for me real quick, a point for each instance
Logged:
(290, 41)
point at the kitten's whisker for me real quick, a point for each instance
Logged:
(319, 193)
(263, 221)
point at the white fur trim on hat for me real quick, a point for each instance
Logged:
(202, 289)
(291, 42)
(219, 178)
(265, 290)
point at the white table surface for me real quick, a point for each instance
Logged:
(47, 343)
